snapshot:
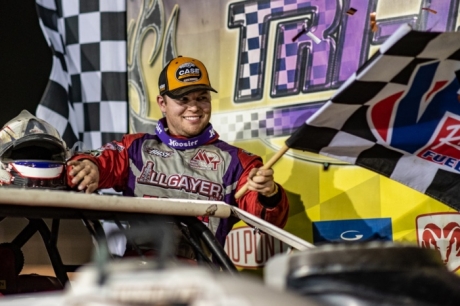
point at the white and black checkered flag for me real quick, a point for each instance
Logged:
(86, 97)
(398, 115)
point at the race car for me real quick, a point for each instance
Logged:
(156, 277)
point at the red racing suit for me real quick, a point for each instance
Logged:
(200, 168)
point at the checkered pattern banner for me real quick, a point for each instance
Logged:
(287, 76)
(86, 97)
(262, 123)
(398, 115)
(255, 17)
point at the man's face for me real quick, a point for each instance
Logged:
(189, 115)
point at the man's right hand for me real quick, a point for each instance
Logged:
(83, 173)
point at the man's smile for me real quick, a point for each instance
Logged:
(192, 118)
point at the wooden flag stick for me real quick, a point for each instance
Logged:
(268, 165)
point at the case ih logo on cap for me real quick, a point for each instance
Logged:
(188, 72)
(441, 232)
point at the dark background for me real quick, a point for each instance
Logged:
(25, 59)
(25, 66)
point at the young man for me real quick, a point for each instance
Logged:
(185, 158)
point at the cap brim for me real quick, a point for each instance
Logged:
(178, 93)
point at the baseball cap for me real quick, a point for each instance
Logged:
(183, 75)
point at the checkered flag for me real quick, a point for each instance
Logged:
(86, 96)
(398, 115)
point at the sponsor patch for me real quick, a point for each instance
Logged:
(190, 184)
(160, 153)
(188, 72)
(205, 160)
(353, 230)
(182, 144)
(158, 127)
(441, 232)
(112, 146)
(212, 133)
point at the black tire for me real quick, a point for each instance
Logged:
(18, 255)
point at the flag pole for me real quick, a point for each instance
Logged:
(268, 165)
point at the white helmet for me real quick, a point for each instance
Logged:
(32, 154)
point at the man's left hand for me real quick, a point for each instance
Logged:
(262, 181)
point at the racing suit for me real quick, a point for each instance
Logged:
(200, 168)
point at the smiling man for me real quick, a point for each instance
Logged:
(185, 158)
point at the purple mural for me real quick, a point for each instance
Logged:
(306, 65)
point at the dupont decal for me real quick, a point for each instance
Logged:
(441, 232)
(352, 230)
(205, 160)
(250, 249)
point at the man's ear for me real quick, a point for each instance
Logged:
(161, 101)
